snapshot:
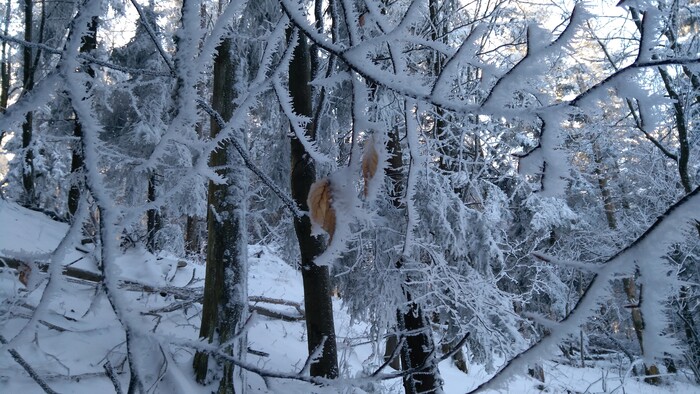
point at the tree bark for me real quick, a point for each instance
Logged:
(192, 239)
(27, 126)
(317, 287)
(152, 216)
(4, 63)
(690, 332)
(225, 290)
(418, 350)
(602, 178)
(418, 353)
(89, 44)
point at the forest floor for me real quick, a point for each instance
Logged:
(78, 332)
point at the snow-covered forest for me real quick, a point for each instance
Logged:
(349, 196)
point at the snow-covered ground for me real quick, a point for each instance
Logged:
(78, 333)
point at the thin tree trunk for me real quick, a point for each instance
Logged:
(602, 178)
(225, 289)
(317, 287)
(89, 44)
(192, 240)
(28, 82)
(681, 126)
(638, 324)
(691, 332)
(449, 150)
(152, 216)
(4, 63)
(418, 351)
(628, 284)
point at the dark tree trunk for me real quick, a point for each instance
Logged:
(417, 352)
(89, 44)
(4, 63)
(690, 332)
(225, 288)
(152, 216)
(192, 239)
(317, 286)
(27, 126)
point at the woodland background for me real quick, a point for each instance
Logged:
(492, 183)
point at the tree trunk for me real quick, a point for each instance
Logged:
(89, 44)
(4, 63)
(417, 351)
(152, 216)
(690, 333)
(225, 289)
(389, 351)
(192, 239)
(449, 150)
(28, 82)
(317, 286)
(638, 324)
(602, 178)
(628, 284)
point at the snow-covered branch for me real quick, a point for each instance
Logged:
(646, 251)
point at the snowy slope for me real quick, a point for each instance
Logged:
(80, 333)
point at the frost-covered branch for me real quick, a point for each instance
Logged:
(84, 56)
(422, 92)
(110, 215)
(112, 377)
(42, 93)
(145, 22)
(415, 165)
(535, 53)
(55, 279)
(646, 251)
(220, 29)
(298, 122)
(286, 199)
(28, 368)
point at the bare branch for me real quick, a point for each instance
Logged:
(392, 356)
(112, 377)
(32, 373)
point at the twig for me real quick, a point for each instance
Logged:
(455, 349)
(68, 271)
(35, 376)
(313, 356)
(113, 377)
(43, 322)
(258, 353)
(151, 33)
(391, 357)
(188, 296)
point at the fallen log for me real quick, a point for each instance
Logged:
(185, 295)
